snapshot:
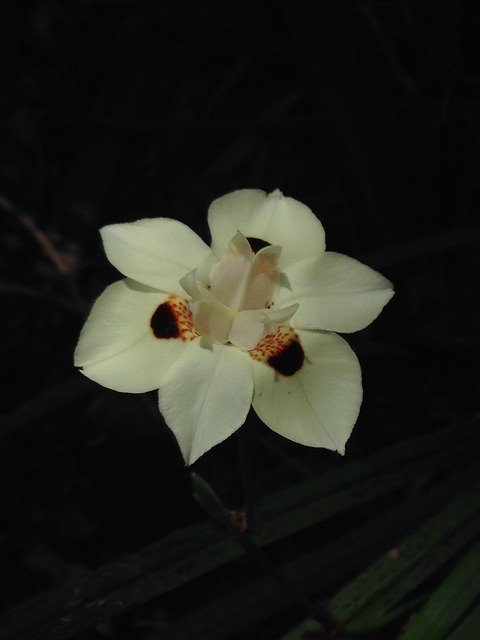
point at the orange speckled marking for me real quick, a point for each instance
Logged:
(173, 319)
(281, 350)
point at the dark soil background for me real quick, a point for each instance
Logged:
(369, 112)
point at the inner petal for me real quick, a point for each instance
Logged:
(189, 284)
(229, 276)
(276, 317)
(250, 326)
(231, 297)
(263, 279)
(212, 319)
(247, 329)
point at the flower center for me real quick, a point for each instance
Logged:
(233, 298)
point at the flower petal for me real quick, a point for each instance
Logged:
(273, 218)
(117, 320)
(229, 276)
(137, 369)
(263, 279)
(335, 293)
(117, 346)
(317, 405)
(190, 286)
(157, 252)
(280, 316)
(212, 319)
(247, 329)
(205, 396)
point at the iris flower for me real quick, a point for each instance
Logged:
(251, 320)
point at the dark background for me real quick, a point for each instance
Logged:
(112, 111)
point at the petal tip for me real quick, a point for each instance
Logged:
(109, 229)
(276, 193)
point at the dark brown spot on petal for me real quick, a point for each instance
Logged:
(288, 360)
(164, 322)
(258, 244)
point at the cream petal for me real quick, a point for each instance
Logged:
(318, 405)
(117, 347)
(139, 368)
(273, 218)
(212, 319)
(157, 252)
(119, 317)
(205, 396)
(335, 293)
(233, 212)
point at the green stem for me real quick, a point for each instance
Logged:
(257, 554)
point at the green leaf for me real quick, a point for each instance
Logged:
(191, 552)
(469, 627)
(316, 571)
(386, 608)
(378, 578)
(299, 631)
(449, 602)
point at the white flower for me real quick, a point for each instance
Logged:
(247, 321)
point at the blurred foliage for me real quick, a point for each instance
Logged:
(112, 110)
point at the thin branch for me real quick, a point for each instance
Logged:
(64, 262)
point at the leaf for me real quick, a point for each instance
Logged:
(449, 602)
(384, 583)
(317, 571)
(387, 608)
(469, 627)
(191, 552)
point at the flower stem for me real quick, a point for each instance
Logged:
(258, 555)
